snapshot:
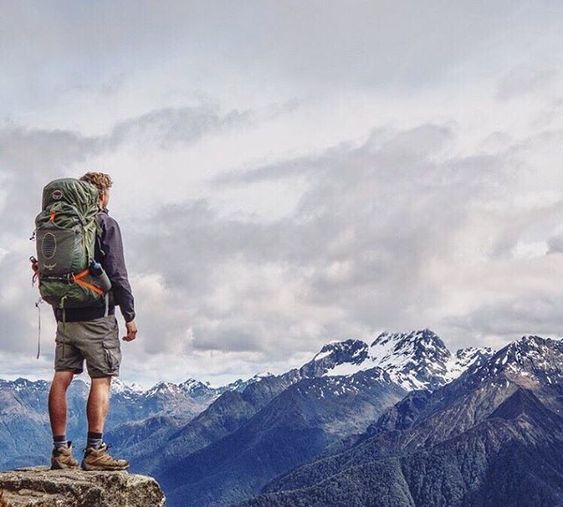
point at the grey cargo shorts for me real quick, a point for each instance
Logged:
(95, 340)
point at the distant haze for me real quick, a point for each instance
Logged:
(291, 173)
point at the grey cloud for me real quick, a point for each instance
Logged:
(281, 170)
(393, 149)
(235, 334)
(18, 315)
(555, 244)
(514, 224)
(397, 45)
(375, 218)
(27, 149)
(353, 254)
(535, 312)
(351, 259)
(170, 126)
(31, 157)
(525, 79)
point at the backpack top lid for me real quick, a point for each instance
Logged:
(81, 194)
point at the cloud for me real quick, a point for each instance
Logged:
(352, 258)
(225, 50)
(555, 243)
(31, 157)
(169, 126)
(376, 241)
(393, 233)
(525, 80)
(291, 173)
(534, 312)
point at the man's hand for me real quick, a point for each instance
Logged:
(131, 331)
(34, 264)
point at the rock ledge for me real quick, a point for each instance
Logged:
(41, 487)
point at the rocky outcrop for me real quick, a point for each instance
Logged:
(41, 487)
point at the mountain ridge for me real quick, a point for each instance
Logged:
(414, 360)
(405, 391)
(501, 420)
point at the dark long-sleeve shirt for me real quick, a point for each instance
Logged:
(109, 253)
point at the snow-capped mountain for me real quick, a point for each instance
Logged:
(126, 389)
(24, 415)
(191, 388)
(529, 360)
(240, 385)
(197, 389)
(163, 388)
(200, 440)
(300, 414)
(499, 424)
(414, 360)
(345, 358)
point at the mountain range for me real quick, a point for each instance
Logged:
(397, 420)
(24, 420)
(493, 436)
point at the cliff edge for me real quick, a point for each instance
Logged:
(41, 487)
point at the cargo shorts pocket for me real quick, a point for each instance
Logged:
(67, 356)
(112, 350)
(113, 358)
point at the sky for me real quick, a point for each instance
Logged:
(291, 173)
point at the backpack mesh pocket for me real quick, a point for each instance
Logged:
(55, 249)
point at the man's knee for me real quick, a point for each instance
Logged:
(100, 383)
(102, 380)
(62, 379)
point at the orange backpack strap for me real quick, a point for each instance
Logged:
(78, 278)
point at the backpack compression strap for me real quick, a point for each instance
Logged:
(78, 278)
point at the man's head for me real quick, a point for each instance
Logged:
(102, 182)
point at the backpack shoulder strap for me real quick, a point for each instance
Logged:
(99, 231)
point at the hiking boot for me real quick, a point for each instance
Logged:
(62, 458)
(99, 459)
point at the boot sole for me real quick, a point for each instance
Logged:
(62, 466)
(98, 468)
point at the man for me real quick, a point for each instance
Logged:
(88, 334)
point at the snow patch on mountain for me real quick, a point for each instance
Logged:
(414, 360)
(164, 388)
(465, 359)
(532, 358)
(118, 386)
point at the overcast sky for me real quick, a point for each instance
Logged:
(289, 173)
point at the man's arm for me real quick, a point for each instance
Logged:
(114, 265)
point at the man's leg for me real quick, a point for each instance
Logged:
(100, 345)
(98, 404)
(57, 401)
(96, 456)
(61, 457)
(68, 362)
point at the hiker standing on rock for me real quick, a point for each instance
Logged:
(82, 274)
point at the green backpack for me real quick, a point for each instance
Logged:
(65, 234)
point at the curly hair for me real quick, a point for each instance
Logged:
(100, 180)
